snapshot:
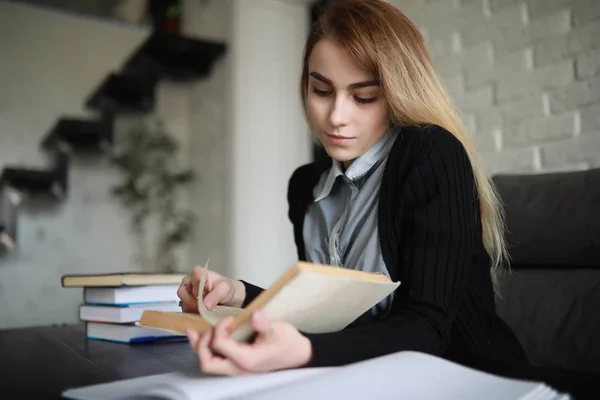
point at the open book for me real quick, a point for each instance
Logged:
(403, 375)
(314, 298)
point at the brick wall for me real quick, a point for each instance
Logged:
(525, 75)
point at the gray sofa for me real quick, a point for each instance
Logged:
(552, 296)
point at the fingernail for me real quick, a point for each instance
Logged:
(209, 304)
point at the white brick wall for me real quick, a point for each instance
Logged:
(525, 74)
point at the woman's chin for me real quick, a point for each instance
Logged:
(341, 154)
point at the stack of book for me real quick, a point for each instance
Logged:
(113, 303)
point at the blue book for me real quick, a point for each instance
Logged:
(127, 333)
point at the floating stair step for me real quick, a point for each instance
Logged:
(79, 135)
(125, 92)
(33, 182)
(39, 182)
(176, 57)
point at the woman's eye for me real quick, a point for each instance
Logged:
(321, 92)
(363, 100)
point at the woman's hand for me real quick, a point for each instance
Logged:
(217, 290)
(278, 345)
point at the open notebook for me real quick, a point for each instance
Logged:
(403, 375)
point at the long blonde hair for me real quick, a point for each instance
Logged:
(383, 41)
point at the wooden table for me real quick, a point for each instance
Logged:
(45, 361)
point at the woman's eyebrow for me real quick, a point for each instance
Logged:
(357, 85)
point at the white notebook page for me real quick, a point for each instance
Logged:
(406, 375)
(191, 386)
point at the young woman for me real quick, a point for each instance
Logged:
(403, 194)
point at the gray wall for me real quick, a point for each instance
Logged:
(208, 136)
(525, 76)
(89, 232)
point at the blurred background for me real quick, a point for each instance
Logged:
(102, 102)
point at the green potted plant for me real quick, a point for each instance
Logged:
(151, 182)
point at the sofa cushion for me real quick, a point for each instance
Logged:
(553, 219)
(554, 313)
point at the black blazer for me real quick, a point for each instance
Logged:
(430, 235)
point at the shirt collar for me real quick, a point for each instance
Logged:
(359, 167)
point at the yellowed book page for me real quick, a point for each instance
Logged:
(320, 303)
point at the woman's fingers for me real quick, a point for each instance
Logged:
(202, 347)
(221, 293)
(217, 288)
(188, 302)
(186, 280)
(184, 286)
(261, 324)
(193, 337)
(240, 354)
(211, 363)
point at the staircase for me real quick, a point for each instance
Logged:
(161, 56)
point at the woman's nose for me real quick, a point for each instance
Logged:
(340, 112)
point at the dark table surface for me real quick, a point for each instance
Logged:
(45, 361)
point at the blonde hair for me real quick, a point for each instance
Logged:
(383, 41)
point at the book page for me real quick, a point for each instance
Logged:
(407, 375)
(188, 386)
(319, 303)
(222, 387)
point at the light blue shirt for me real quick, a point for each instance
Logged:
(340, 226)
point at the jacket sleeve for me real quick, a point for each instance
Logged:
(438, 220)
(252, 292)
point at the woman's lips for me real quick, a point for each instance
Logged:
(338, 140)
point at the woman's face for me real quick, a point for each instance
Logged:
(345, 104)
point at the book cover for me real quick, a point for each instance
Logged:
(119, 279)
